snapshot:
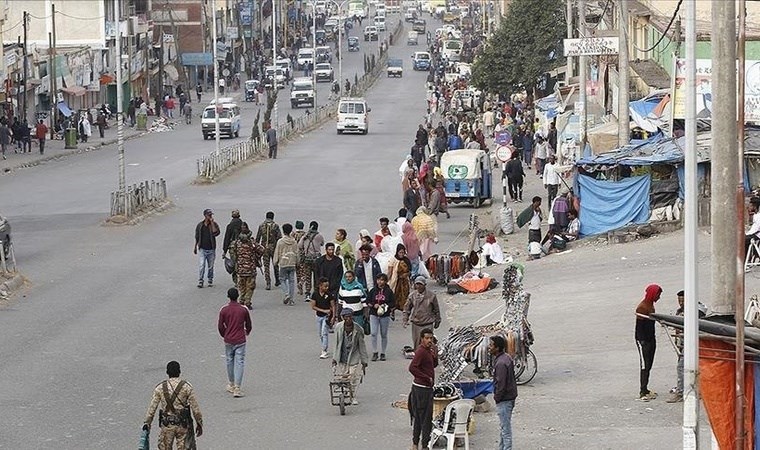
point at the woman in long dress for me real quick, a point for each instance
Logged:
(426, 228)
(412, 244)
(399, 276)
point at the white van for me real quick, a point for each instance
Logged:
(353, 115)
(229, 119)
(380, 23)
(305, 57)
(302, 92)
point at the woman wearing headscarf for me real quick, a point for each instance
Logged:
(426, 228)
(352, 295)
(399, 276)
(364, 238)
(344, 249)
(407, 171)
(412, 244)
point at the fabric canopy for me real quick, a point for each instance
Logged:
(75, 90)
(64, 109)
(607, 205)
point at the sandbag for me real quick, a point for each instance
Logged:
(507, 220)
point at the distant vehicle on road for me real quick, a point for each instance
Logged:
(411, 38)
(305, 57)
(421, 61)
(323, 72)
(419, 25)
(353, 115)
(395, 67)
(229, 119)
(370, 33)
(301, 92)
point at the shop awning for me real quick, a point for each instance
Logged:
(77, 91)
(64, 109)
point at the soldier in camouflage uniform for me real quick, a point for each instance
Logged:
(267, 236)
(175, 396)
(247, 258)
(310, 246)
(300, 269)
(230, 235)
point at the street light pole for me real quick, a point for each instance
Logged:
(314, 50)
(340, 39)
(274, 61)
(119, 115)
(216, 78)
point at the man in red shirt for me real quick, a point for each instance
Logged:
(41, 132)
(420, 400)
(234, 325)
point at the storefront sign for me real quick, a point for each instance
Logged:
(592, 46)
(197, 59)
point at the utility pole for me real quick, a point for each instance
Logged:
(160, 91)
(725, 180)
(51, 93)
(314, 50)
(274, 58)
(739, 229)
(26, 63)
(216, 78)
(691, 311)
(54, 79)
(582, 74)
(120, 114)
(623, 88)
(569, 15)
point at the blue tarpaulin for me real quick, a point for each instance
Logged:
(655, 150)
(64, 109)
(607, 205)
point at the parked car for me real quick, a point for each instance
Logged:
(323, 72)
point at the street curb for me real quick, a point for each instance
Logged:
(204, 181)
(154, 210)
(77, 151)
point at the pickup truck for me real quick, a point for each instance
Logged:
(395, 68)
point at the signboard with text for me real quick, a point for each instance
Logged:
(592, 46)
(197, 59)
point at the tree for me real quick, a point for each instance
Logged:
(527, 44)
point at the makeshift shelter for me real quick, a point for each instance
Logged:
(627, 185)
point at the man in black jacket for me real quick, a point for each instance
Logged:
(504, 388)
(515, 175)
(205, 240)
(331, 267)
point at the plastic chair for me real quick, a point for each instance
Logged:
(753, 255)
(458, 427)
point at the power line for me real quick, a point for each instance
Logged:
(601, 18)
(80, 18)
(664, 34)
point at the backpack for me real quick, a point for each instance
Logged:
(309, 258)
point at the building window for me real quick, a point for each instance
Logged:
(141, 6)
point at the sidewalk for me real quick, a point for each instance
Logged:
(54, 149)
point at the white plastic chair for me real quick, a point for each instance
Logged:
(753, 255)
(456, 429)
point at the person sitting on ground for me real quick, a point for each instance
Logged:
(492, 251)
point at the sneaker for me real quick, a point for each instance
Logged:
(230, 388)
(354, 402)
(382, 356)
(237, 392)
(675, 397)
(290, 302)
(306, 300)
(200, 284)
(374, 357)
(210, 283)
(285, 300)
(324, 355)
(276, 284)
(652, 395)
(269, 287)
(643, 398)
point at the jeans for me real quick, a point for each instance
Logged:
(235, 362)
(206, 259)
(288, 281)
(322, 329)
(379, 324)
(504, 411)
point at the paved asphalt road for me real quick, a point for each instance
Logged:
(108, 307)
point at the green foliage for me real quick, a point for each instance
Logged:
(527, 43)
